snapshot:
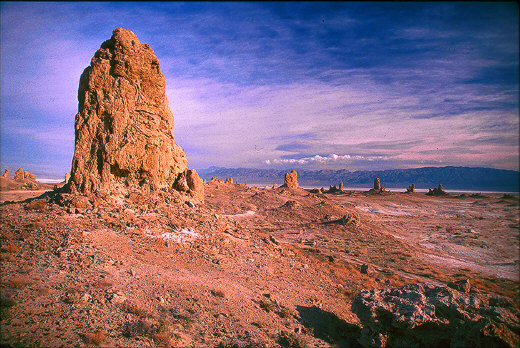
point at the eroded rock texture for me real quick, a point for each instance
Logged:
(418, 315)
(124, 126)
(291, 179)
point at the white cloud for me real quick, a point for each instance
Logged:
(325, 159)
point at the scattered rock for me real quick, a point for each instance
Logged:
(291, 204)
(124, 125)
(291, 179)
(420, 315)
(364, 268)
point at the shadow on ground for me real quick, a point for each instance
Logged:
(328, 327)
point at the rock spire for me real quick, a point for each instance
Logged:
(124, 125)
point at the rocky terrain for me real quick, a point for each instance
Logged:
(250, 267)
(136, 250)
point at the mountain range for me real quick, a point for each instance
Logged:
(452, 178)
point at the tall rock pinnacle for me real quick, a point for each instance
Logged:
(124, 126)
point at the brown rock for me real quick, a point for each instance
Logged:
(67, 178)
(18, 175)
(341, 186)
(195, 185)
(229, 180)
(291, 179)
(377, 184)
(411, 189)
(181, 184)
(124, 126)
(29, 176)
(275, 186)
(6, 174)
(397, 318)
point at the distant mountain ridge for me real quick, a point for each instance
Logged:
(461, 178)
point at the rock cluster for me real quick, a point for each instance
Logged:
(124, 126)
(20, 174)
(411, 189)
(229, 181)
(419, 315)
(291, 179)
(377, 187)
(438, 191)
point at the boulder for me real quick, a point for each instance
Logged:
(377, 184)
(291, 179)
(420, 315)
(341, 186)
(411, 189)
(6, 173)
(229, 180)
(124, 125)
(195, 184)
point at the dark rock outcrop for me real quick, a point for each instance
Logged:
(438, 191)
(418, 315)
(411, 189)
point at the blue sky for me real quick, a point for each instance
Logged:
(279, 85)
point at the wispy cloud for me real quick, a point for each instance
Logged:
(390, 85)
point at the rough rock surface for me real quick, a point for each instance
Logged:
(377, 187)
(418, 315)
(124, 126)
(18, 175)
(6, 173)
(377, 184)
(291, 179)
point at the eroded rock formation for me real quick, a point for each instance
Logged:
(124, 126)
(438, 191)
(377, 187)
(291, 179)
(419, 315)
(411, 189)
(6, 173)
(18, 175)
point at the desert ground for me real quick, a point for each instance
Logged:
(251, 267)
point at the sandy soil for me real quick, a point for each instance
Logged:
(251, 267)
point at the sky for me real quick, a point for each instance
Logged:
(303, 85)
